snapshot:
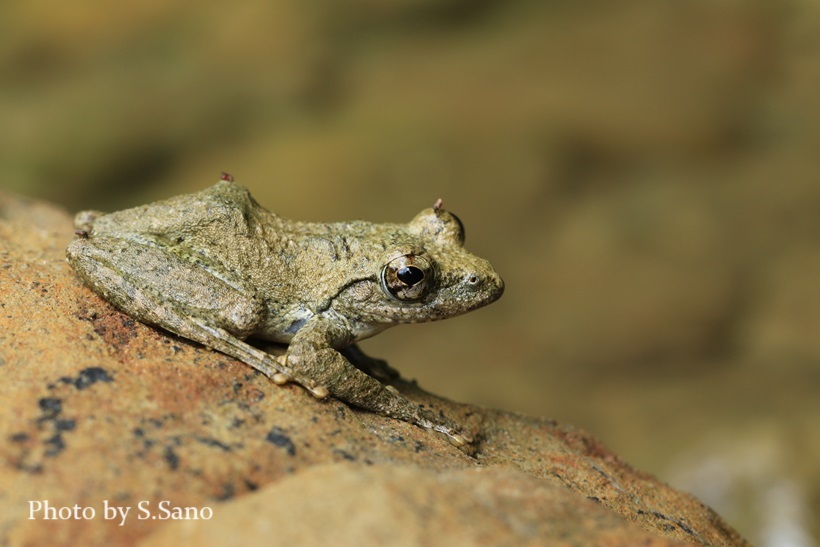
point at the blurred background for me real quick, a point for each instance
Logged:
(644, 175)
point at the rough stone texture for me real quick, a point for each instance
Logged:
(99, 407)
(391, 505)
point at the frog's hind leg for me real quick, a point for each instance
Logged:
(161, 288)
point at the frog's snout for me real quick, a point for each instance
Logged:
(498, 286)
(487, 286)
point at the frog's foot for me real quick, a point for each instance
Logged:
(349, 384)
(280, 378)
(377, 368)
(320, 392)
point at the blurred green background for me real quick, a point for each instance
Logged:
(644, 175)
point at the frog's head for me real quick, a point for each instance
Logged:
(426, 274)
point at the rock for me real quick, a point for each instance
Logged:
(392, 505)
(101, 411)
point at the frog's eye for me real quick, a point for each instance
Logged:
(408, 277)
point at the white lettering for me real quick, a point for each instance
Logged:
(65, 512)
(34, 507)
(114, 511)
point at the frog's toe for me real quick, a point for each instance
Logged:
(280, 378)
(320, 392)
(456, 439)
(449, 434)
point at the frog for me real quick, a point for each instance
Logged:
(217, 268)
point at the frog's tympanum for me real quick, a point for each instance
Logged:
(217, 268)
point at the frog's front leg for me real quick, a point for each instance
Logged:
(174, 292)
(311, 354)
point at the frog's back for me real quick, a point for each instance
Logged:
(224, 208)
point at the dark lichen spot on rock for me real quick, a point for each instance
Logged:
(227, 493)
(171, 458)
(670, 523)
(143, 438)
(208, 441)
(342, 412)
(278, 437)
(117, 329)
(51, 406)
(65, 425)
(87, 377)
(49, 424)
(90, 376)
(156, 422)
(54, 444)
(87, 315)
(686, 529)
(344, 455)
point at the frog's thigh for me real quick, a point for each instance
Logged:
(349, 384)
(159, 288)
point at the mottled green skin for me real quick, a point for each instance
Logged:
(217, 268)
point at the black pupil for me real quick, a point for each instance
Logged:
(410, 275)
